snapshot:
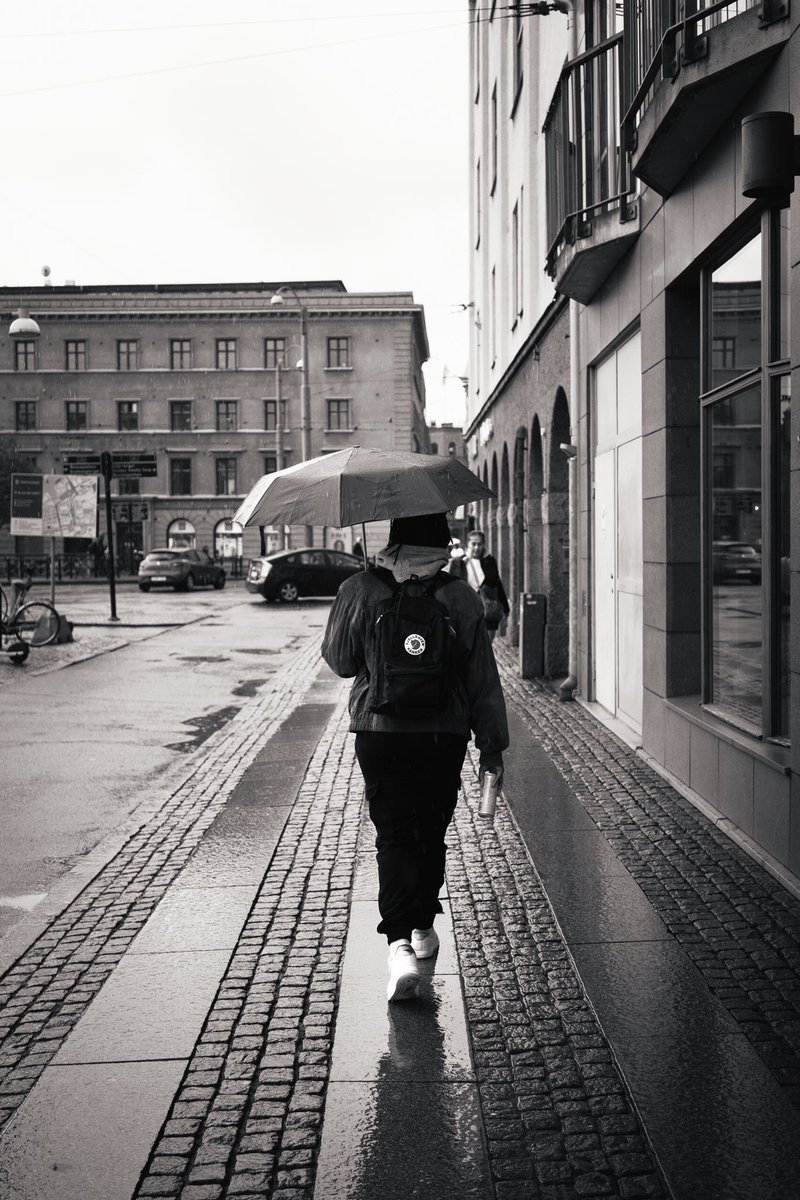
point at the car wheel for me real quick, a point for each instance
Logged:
(144, 587)
(189, 584)
(219, 582)
(288, 592)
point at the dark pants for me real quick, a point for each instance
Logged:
(412, 786)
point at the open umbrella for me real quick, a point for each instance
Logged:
(360, 484)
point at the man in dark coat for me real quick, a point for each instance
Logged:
(412, 765)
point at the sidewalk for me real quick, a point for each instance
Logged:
(613, 1012)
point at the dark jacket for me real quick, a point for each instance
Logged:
(475, 704)
(457, 567)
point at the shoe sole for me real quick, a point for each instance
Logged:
(405, 988)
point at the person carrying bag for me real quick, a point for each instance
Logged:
(483, 576)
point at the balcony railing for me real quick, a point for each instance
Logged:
(662, 35)
(586, 170)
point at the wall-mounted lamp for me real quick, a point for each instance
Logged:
(566, 448)
(23, 327)
(770, 157)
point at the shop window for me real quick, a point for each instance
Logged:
(747, 442)
(181, 535)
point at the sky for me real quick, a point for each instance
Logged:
(186, 141)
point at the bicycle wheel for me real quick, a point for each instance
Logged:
(36, 623)
(3, 606)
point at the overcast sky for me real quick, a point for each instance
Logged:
(185, 141)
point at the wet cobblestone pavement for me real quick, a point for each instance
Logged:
(564, 1109)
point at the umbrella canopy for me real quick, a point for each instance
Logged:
(357, 485)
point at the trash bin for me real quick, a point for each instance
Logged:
(532, 612)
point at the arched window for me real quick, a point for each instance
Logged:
(181, 535)
(227, 539)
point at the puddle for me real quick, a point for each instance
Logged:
(256, 650)
(248, 687)
(203, 727)
(215, 658)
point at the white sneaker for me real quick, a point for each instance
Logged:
(403, 971)
(424, 942)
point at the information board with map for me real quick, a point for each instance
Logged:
(54, 506)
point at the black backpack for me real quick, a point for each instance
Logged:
(411, 654)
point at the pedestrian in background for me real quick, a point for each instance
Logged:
(412, 765)
(483, 576)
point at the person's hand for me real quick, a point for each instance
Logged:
(494, 764)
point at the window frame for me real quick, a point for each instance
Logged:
(225, 350)
(180, 349)
(79, 408)
(336, 403)
(767, 377)
(226, 416)
(76, 354)
(130, 354)
(28, 425)
(274, 354)
(132, 407)
(180, 462)
(174, 405)
(338, 347)
(271, 413)
(229, 460)
(25, 349)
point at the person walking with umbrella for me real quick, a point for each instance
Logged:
(411, 763)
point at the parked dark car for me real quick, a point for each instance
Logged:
(179, 569)
(736, 560)
(290, 574)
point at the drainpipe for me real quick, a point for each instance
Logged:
(568, 688)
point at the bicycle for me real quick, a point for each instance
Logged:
(34, 623)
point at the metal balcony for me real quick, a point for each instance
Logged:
(687, 66)
(591, 215)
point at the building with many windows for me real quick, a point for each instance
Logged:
(635, 249)
(209, 379)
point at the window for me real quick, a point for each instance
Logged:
(226, 415)
(271, 461)
(516, 250)
(180, 354)
(478, 204)
(746, 432)
(270, 409)
(518, 33)
(226, 477)
(338, 351)
(226, 354)
(75, 355)
(127, 355)
(494, 141)
(77, 415)
(274, 352)
(338, 414)
(25, 356)
(180, 476)
(180, 415)
(129, 487)
(127, 415)
(24, 415)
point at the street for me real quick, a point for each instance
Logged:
(193, 994)
(80, 746)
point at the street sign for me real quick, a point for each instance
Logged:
(133, 466)
(82, 464)
(126, 512)
(136, 465)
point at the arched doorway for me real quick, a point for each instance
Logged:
(228, 536)
(518, 565)
(491, 526)
(536, 581)
(555, 548)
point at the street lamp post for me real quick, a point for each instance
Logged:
(305, 390)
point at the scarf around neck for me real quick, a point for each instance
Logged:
(405, 561)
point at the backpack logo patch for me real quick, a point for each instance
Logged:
(414, 644)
